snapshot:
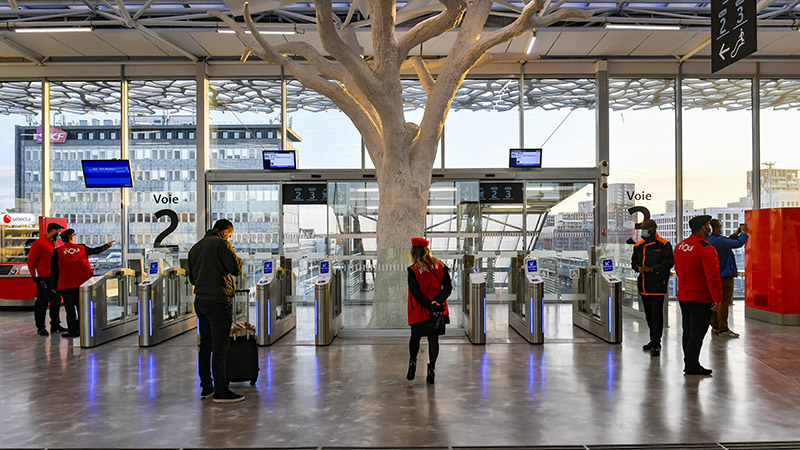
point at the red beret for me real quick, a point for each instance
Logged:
(419, 242)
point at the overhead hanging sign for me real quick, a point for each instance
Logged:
(502, 192)
(733, 31)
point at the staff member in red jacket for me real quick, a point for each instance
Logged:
(429, 286)
(39, 257)
(699, 290)
(69, 269)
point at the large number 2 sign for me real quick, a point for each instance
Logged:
(173, 224)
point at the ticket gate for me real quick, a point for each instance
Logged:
(599, 311)
(275, 315)
(165, 304)
(526, 312)
(107, 312)
(327, 304)
(474, 307)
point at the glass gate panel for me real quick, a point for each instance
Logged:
(255, 212)
(353, 236)
(560, 223)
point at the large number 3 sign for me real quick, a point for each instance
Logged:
(638, 226)
(173, 225)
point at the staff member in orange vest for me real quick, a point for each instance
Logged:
(69, 269)
(652, 258)
(39, 258)
(429, 286)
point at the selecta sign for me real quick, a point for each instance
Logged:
(56, 136)
(19, 219)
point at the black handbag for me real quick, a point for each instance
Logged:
(441, 319)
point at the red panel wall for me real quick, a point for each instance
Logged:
(772, 260)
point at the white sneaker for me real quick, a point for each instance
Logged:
(729, 333)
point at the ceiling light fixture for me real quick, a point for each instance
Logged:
(530, 43)
(229, 31)
(631, 26)
(54, 30)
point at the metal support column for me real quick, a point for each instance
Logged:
(521, 105)
(679, 156)
(755, 182)
(124, 141)
(45, 175)
(441, 146)
(284, 144)
(602, 139)
(202, 133)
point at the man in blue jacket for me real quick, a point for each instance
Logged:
(727, 271)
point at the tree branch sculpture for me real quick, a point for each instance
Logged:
(370, 94)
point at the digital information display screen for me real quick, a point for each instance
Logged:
(525, 157)
(510, 192)
(280, 159)
(267, 267)
(305, 194)
(533, 266)
(154, 268)
(608, 265)
(324, 267)
(107, 173)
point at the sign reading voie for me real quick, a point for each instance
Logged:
(733, 31)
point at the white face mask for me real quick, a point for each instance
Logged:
(645, 233)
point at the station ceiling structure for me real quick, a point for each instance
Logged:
(182, 31)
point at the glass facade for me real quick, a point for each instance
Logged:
(559, 116)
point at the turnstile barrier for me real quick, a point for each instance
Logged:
(327, 304)
(165, 305)
(474, 308)
(106, 310)
(526, 312)
(275, 315)
(599, 310)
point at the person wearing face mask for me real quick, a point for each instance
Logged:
(652, 259)
(39, 258)
(213, 266)
(699, 290)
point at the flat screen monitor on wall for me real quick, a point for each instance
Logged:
(525, 157)
(107, 173)
(280, 159)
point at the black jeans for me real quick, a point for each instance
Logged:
(71, 298)
(654, 313)
(45, 296)
(695, 318)
(214, 320)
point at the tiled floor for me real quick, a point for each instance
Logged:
(573, 390)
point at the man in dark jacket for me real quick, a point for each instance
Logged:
(652, 258)
(39, 258)
(69, 269)
(213, 266)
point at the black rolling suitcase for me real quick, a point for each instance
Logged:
(242, 362)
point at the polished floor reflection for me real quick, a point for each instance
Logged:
(573, 390)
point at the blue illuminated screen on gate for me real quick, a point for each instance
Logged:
(154, 268)
(267, 266)
(324, 267)
(608, 265)
(107, 173)
(280, 159)
(533, 266)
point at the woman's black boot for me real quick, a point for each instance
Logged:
(431, 374)
(412, 369)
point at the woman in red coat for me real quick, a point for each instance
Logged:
(429, 286)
